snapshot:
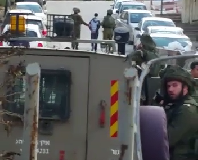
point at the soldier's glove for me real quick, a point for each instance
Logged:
(158, 98)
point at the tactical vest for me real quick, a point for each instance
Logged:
(108, 22)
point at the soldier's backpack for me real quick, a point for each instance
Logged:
(108, 22)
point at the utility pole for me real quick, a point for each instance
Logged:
(161, 11)
(31, 112)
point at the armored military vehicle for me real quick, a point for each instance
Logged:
(79, 104)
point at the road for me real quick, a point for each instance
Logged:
(88, 8)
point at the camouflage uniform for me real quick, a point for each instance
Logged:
(108, 24)
(147, 53)
(77, 24)
(182, 116)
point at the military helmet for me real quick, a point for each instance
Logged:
(109, 11)
(179, 74)
(146, 40)
(76, 10)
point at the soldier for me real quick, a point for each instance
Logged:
(108, 24)
(77, 23)
(194, 73)
(181, 111)
(145, 54)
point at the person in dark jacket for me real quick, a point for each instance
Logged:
(94, 26)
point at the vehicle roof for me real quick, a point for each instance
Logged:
(165, 28)
(133, 2)
(157, 19)
(137, 11)
(168, 35)
(32, 17)
(20, 11)
(27, 3)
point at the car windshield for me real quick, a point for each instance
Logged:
(34, 8)
(157, 23)
(136, 17)
(139, 7)
(36, 22)
(31, 34)
(117, 5)
(164, 41)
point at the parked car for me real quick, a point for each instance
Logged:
(32, 19)
(6, 20)
(35, 7)
(164, 40)
(117, 5)
(165, 30)
(131, 5)
(150, 21)
(32, 30)
(130, 19)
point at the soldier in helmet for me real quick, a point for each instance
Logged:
(108, 24)
(182, 113)
(146, 53)
(77, 24)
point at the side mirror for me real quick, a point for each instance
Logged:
(44, 2)
(117, 11)
(137, 29)
(45, 11)
(138, 36)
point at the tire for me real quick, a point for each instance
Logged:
(154, 137)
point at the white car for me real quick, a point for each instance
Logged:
(117, 5)
(150, 21)
(32, 30)
(32, 19)
(164, 40)
(35, 7)
(6, 20)
(131, 5)
(130, 19)
(165, 30)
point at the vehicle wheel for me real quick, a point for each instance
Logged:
(154, 137)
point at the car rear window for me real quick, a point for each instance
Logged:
(31, 34)
(36, 22)
(136, 7)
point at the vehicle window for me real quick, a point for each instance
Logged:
(36, 22)
(166, 31)
(126, 16)
(7, 18)
(136, 7)
(117, 5)
(157, 23)
(34, 8)
(137, 17)
(31, 34)
(164, 41)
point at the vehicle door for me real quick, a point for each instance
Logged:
(120, 21)
(136, 32)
